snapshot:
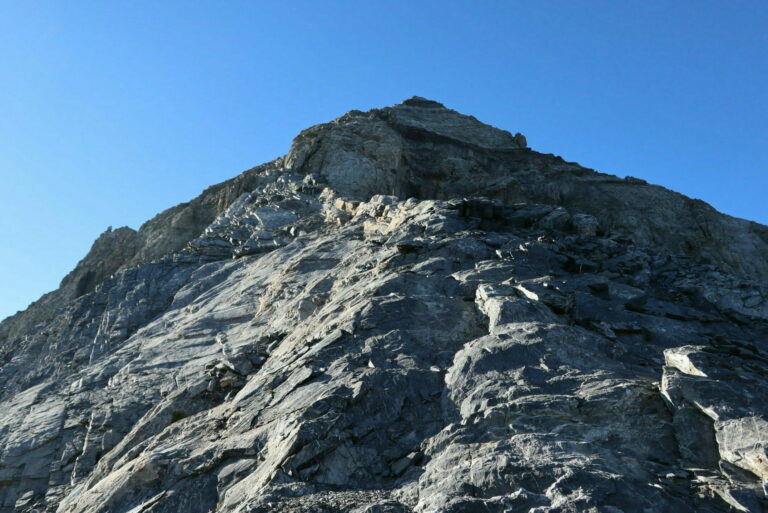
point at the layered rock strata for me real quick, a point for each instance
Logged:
(409, 312)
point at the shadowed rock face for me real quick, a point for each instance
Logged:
(421, 149)
(409, 312)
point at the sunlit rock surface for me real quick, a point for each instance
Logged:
(409, 312)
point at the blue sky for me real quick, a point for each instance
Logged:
(113, 111)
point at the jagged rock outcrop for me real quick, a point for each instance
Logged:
(409, 312)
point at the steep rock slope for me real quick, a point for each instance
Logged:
(410, 311)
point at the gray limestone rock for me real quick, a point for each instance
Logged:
(409, 312)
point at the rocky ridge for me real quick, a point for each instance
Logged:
(411, 311)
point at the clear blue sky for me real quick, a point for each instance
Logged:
(113, 111)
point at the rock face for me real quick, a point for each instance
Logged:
(409, 312)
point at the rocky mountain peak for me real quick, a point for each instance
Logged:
(410, 312)
(111, 250)
(418, 101)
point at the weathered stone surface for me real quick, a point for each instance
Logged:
(410, 312)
